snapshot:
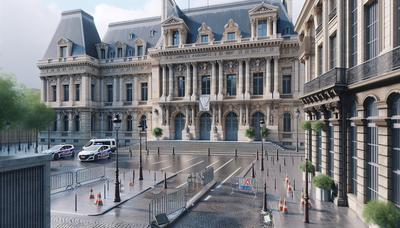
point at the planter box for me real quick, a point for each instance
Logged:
(322, 195)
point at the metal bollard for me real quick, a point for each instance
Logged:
(253, 174)
(275, 183)
(108, 185)
(165, 180)
(173, 151)
(267, 172)
(257, 155)
(292, 161)
(277, 154)
(130, 152)
(133, 176)
(236, 155)
(158, 150)
(123, 174)
(266, 155)
(294, 184)
(147, 152)
(209, 151)
(280, 168)
(155, 176)
(105, 193)
(76, 202)
(284, 161)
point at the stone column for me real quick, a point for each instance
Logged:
(247, 92)
(253, 29)
(71, 91)
(101, 89)
(171, 83)
(135, 94)
(164, 82)
(267, 92)
(339, 163)
(220, 80)
(213, 79)
(70, 122)
(121, 90)
(384, 153)
(194, 92)
(43, 91)
(49, 91)
(188, 81)
(325, 149)
(240, 93)
(275, 27)
(84, 89)
(115, 84)
(270, 32)
(276, 78)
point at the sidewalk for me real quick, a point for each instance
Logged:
(64, 202)
(322, 214)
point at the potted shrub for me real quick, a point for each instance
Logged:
(251, 134)
(264, 133)
(307, 125)
(157, 132)
(323, 186)
(318, 126)
(381, 214)
(310, 169)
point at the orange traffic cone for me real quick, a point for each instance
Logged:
(280, 205)
(99, 201)
(285, 208)
(302, 202)
(286, 180)
(91, 196)
(289, 190)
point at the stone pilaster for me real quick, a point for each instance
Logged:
(339, 176)
(194, 92)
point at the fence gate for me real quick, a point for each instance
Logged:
(167, 203)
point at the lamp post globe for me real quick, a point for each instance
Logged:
(117, 125)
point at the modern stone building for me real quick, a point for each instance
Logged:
(25, 191)
(350, 51)
(240, 57)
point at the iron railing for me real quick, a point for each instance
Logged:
(167, 204)
(90, 174)
(332, 14)
(63, 181)
(318, 29)
(334, 77)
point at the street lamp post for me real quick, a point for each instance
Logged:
(142, 127)
(8, 124)
(117, 125)
(297, 129)
(306, 211)
(48, 137)
(262, 126)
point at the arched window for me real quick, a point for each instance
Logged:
(109, 123)
(287, 122)
(372, 148)
(66, 123)
(129, 123)
(255, 124)
(394, 105)
(353, 149)
(77, 123)
(143, 122)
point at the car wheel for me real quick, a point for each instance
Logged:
(73, 154)
(96, 157)
(56, 156)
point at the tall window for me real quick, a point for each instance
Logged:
(129, 123)
(109, 93)
(77, 123)
(371, 22)
(140, 50)
(262, 28)
(372, 146)
(102, 53)
(353, 42)
(175, 38)
(66, 123)
(63, 52)
(231, 85)
(66, 92)
(353, 151)
(144, 92)
(331, 151)
(398, 22)
(258, 84)
(181, 86)
(287, 122)
(109, 123)
(54, 92)
(319, 60)
(129, 92)
(332, 57)
(204, 39)
(287, 84)
(77, 92)
(319, 146)
(119, 52)
(205, 85)
(395, 147)
(231, 36)
(92, 92)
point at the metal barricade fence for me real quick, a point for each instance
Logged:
(90, 174)
(167, 203)
(62, 180)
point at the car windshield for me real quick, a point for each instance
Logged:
(57, 147)
(89, 144)
(93, 148)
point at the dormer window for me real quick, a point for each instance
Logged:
(102, 53)
(119, 53)
(231, 36)
(152, 32)
(112, 54)
(262, 28)
(204, 39)
(175, 38)
(131, 36)
(63, 51)
(140, 50)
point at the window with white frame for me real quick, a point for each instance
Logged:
(333, 46)
(353, 150)
(287, 84)
(287, 122)
(175, 38)
(262, 28)
(231, 85)
(128, 92)
(144, 91)
(371, 22)
(395, 147)
(66, 92)
(258, 84)
(372, 149)
(353, 37)
(231, 36)
(204, 39)
(181, 86)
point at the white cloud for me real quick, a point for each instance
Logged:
(26, 27)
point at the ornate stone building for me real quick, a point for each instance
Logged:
(349, 50)
(240, 57)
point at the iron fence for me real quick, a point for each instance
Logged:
(90, 174)
(62, 181)
(167, 204)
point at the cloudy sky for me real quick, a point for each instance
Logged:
(26, 26)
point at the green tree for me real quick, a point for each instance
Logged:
(10, 101)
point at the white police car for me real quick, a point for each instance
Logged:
(95, 152)
(61, 151)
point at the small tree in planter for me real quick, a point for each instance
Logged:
(264, 133)
(383, 214)
(157, 132)
(307, 125)
(310, 169)
(250, 133)
(323, 184)
(318, 126)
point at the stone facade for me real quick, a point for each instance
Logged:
(159, 77)
(349, 49)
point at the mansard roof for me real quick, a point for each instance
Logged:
(78, 27)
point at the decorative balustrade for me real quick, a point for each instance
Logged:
(334, 77)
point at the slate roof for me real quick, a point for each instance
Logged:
(79, 27)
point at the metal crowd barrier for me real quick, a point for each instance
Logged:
(90, 174)
(62, 180)
(167, 203)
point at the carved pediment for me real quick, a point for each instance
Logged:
(172, 21)
(102, 45)
(231, 25)
(139, 42)
(263, 8)
(204, 28)
(64, 41)
(119, 44)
